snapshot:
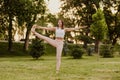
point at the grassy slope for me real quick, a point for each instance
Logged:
(25, 68)
(88, 68)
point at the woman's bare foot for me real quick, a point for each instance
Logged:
(57, 71)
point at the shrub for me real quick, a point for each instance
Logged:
(106, 51)
(37, 49)
(90, 50)
(77, 52)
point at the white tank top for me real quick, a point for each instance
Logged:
(60, 32)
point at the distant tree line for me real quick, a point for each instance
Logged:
(102, 18)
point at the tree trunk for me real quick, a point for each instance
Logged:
(26, 44)
(114, 40)
(10, 34)
(85, 45)
(29, 26)
(96, 46)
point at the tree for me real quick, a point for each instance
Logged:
(98, 28)
(112, 17)
(24, 11)
(31, 11)
(80, 11)
(8, 12)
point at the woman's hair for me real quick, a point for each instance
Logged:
(62, 23)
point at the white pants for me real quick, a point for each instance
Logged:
(56, 43)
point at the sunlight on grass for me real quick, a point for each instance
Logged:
(88, 68)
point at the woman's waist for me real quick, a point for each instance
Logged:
(59, 38)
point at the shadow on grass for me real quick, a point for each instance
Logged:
(26, 58)
(18, 58)
(71, 58)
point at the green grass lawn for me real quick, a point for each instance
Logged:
(87, 68)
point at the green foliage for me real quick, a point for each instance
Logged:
(3, 24)
(117, 47)
(1, 34)
(99, 28)
(82, 11)
(112, 19)
(86, 38)
(106, 51)
(29, 10)
(50, 50)
(76, 51)
(21, 11)
(16, 51)
(90, 50)
(37, 49)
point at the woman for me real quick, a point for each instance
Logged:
(58, 42)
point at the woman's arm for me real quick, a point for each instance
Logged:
(45, 28)
(72, 29)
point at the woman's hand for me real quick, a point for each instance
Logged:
(83, 27)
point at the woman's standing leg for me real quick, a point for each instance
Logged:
(59, 49)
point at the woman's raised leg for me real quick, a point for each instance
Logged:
(47, 39)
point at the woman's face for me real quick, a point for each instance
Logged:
(60, 23)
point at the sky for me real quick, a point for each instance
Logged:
(53, 6)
